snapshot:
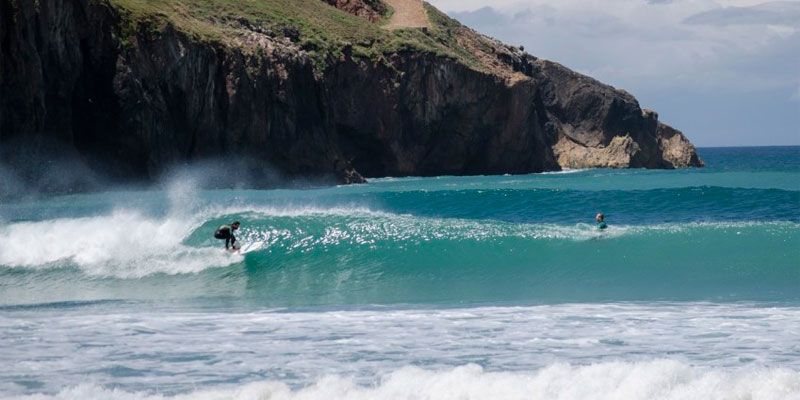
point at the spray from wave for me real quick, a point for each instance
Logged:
(124, 243)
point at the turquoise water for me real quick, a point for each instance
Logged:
(697, 277)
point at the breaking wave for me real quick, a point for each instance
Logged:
(653, 380)
(313, 255)
(125, 244)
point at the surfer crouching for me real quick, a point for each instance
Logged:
(601, 221)
(226, 232)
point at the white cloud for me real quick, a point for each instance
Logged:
(785, 13)
(510, 5)
(796, 94)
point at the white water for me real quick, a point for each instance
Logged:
(615, 351)
(655, 380)
(124, 244)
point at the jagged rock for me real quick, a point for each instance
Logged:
(676, 149)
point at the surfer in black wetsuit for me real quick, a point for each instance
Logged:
(226, 232)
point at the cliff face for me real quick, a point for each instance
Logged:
(132, 91)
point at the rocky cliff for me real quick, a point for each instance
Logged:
(300, 88)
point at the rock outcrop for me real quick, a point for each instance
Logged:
(133, 91)
(371, 10)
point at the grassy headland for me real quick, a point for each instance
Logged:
(321, 30)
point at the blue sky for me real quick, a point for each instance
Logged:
(725, 72)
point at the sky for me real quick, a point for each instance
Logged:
(725, 72)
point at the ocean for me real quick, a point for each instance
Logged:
(483, 287)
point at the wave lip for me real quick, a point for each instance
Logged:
(653, 380)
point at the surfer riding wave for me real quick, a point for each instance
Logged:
(226, 232)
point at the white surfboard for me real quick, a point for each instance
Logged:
(250, 247)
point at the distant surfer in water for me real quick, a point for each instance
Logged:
(226, 232)
(601, 221)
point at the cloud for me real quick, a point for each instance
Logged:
(784, 13)
(796, 95)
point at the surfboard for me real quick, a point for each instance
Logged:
(249, 247)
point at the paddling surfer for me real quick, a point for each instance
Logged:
(601, 221)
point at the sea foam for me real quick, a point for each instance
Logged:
(654, 380)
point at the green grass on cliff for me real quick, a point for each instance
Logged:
(322, 30)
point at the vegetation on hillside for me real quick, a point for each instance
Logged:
(321, 30)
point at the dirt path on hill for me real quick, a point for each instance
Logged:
(407, 14)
